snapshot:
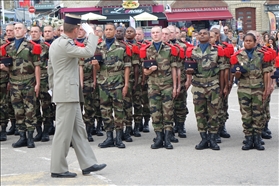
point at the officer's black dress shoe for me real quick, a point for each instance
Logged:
(64, 175)
(93, 168)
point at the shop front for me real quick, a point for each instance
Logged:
(200, 15)
(272, 9)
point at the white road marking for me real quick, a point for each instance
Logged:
(44, 158)
(9, 175)
(17, 150)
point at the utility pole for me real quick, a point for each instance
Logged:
(3, 11)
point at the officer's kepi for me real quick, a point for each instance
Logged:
(72, 19)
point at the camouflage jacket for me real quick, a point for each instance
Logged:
(44, 60)
(24, 61)
(180, 61)
(111, 74)
(209, 65)
(4, 75)
(165, 62)
(255, 67)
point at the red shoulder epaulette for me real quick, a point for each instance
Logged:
(37, 49)
(100, 40)
(174, 51)
(128, 48)
(143, 48)
(3, 48)
(277, 61)
(47, 44)
(79, 44)
(233, 59)
(220, 50)
(181, 51)
(228, 50)
(135, 49)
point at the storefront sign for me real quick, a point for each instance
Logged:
(273, 7)
(121, 10)
(204, 9)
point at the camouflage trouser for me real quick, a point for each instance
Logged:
(11, 111)
(267, 109)
(180, 106)
(96, 103)
(161, 106)
(136, 99)
(251, 108)
(44, 101)
(128, 110)
(111, 101)
(145, 102)
(23, 99)
(223, 111)
(88, 115)
(3, 104)
(207, 104)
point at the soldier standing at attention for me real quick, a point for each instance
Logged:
(160, 67)
(44, 99)
(252, 91)
(96, 96)
(180, 103)
(6, 110)
(127, 102)
(25, 84)
(207, 85)
(135, 81)
(113, 82)
(144, 96)
(63, 71)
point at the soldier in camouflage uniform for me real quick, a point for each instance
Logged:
(223, 110)
(6, 110)
(135, 81)
(180, 103)
(144, 86)
(128, 112)
(25, 84)
(207, 85)
(113, 83)
(86, 82)
(252, 91)
(44, 99)
(96, 96)
(162, 87)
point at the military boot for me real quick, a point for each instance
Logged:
(180, 130)
(39, 135)
(108, 142)
(248, 144)
(168, 134)
(136, 130)
(51, 130)
(89, 129)
(224, 133)
(172, 137)
(218, 137)
(266, 129)
(257, 142)
(262, 141)
(204, 142)
(265, 135)
(3, 135)
(140, 127)
(146, 125)
(212, 142)
(158, 141)
(30, 140)
(22, 142)
(118, 139)
(99, 127)
(45, 135)
(12, 129)
(16, 131)
(126, 136)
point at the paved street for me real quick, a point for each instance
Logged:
(138, 164)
